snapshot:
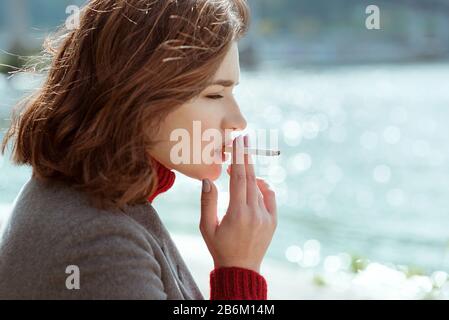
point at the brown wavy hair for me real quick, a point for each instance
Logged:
(111, 82)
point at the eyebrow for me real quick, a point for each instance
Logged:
(224, 83)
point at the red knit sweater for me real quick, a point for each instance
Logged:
(226, 283)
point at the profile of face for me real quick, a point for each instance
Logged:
(213, 110)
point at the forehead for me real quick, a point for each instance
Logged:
(230, 67)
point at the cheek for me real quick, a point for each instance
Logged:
(209, 117)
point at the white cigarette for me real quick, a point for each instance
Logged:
(257, 152)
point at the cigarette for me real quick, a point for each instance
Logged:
(257, 152)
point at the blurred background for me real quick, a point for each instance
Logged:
(362, 117)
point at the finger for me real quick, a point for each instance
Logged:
(259, 181)
(251, 186)
(237, 186)
(209, 219)
(269, 198)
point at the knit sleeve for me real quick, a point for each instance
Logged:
(234, 283)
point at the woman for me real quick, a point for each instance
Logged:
(97, 135)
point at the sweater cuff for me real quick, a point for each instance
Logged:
(234, 283)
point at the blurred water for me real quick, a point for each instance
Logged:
(364, 151)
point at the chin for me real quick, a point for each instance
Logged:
(208, 171)
(204, 171)
(213, 172)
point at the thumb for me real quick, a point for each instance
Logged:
(209, 219)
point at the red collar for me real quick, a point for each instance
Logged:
(166, 179)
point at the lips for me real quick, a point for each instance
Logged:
(221, 151)
(224, 146)
(227, 145)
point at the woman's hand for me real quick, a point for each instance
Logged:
(242, 238)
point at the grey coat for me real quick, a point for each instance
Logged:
(54, 245)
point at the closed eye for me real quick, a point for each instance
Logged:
(215, 97)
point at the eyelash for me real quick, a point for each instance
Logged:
(215, 97)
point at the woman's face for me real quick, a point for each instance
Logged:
(203, 125)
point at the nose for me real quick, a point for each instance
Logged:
(235, 120)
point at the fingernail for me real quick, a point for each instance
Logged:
(206, 185)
